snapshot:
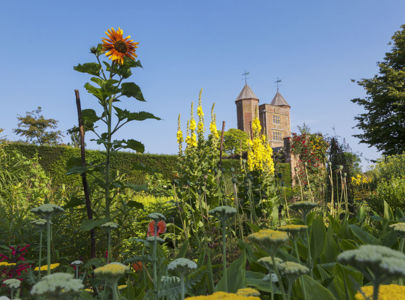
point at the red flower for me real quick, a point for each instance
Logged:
(137, 266)
(161, 228)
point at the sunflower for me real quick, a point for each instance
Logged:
(117, 47)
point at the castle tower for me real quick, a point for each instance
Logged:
(246, 108)
(275, 120)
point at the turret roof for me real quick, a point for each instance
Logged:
(279, 100)
(246, 93)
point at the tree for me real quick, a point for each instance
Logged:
(383, 122)
(235, 141)
(36, 129)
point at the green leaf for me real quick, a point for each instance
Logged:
(76, 170)
(315, 290)
(89, 116)
(342, 284)
(363, 236)
(318, 237)
(94, 91)
(130, 89)
(255, 279)
(236, 275)
(129, 144)
(90, 68)
(133, 116)
(74, 202)
(135, 204)
(88, 225)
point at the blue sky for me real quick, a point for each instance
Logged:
(315, 47)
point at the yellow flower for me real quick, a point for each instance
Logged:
(112, 270)
(386, 292)
(193, 125)
(200, 128)
(6, 264)
(213, 130)
(223, 295)
(45, 267)
(117, 47)
(179, 137)
(248, 292)
(200, 112)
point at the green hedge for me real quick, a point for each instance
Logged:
(285, 170)
(57, 160)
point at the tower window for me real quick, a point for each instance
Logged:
(277, 136)
(276, 119)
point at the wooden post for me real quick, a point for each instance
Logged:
(222, 143)
(84, 178)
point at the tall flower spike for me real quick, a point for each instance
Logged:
(200, 113)
(179, 136)
(213, 125)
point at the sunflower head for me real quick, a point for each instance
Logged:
(117, 47)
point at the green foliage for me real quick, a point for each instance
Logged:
(235, 141)
(23, 185)
(382, 122)
(36, 129)
(391, 191)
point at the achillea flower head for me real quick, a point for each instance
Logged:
(267, 262)
(57, 285)
(76, 262)
(224, 296)
(4, 298)
(39, 222)
(122, 286)
(248, 292)
(45, 267)
(152, 238)
(379, 259)
(12, 283)
(223, 212)
(111, 272)
(293, 228)
(47, 210)
(268, 237)
(385, 292)
(110, 225)
(157, 217)
(292, 269)
(182, 265)
(399, 228)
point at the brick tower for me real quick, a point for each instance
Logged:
(275, 120)
(246, 108)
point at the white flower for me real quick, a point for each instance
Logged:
(223, 212)
(57, 284)
(110, 225)
(182, 265)
(12, 283)
(76, 262)
(47, 210)
(157, 216)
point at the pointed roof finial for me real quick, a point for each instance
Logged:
(245, 74)
(278, 81)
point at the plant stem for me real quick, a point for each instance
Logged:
(155, 283)
(296, 250)
(309, 252)
(108, 245)
(290, 282)
(48, 244)
(40, 255)
(224, 254)
(182, 286)
(376, 286)
(278, 275)
(115, 293)
(108, 150)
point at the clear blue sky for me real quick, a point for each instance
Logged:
(315, 47)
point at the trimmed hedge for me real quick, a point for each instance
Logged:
(285, 170)
(57, 160)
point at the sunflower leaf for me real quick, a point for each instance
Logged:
(90, 68)
(128, 144)
(130, 89)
